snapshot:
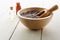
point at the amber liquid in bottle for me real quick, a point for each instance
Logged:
(18, 7)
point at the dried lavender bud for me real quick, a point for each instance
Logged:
(30, 14)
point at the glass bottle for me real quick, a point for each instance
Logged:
(18, 7)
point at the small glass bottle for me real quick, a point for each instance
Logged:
(12, 13)
(18, 7)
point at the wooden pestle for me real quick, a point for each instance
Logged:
(45, 12)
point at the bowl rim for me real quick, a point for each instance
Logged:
(18, 14)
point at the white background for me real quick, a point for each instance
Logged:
(51, 32)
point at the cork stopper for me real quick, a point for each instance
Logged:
(11, 8)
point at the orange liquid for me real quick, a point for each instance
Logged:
(18, 7)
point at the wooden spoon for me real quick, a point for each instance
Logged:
(45, 12)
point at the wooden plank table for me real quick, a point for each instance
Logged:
(50, 32)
